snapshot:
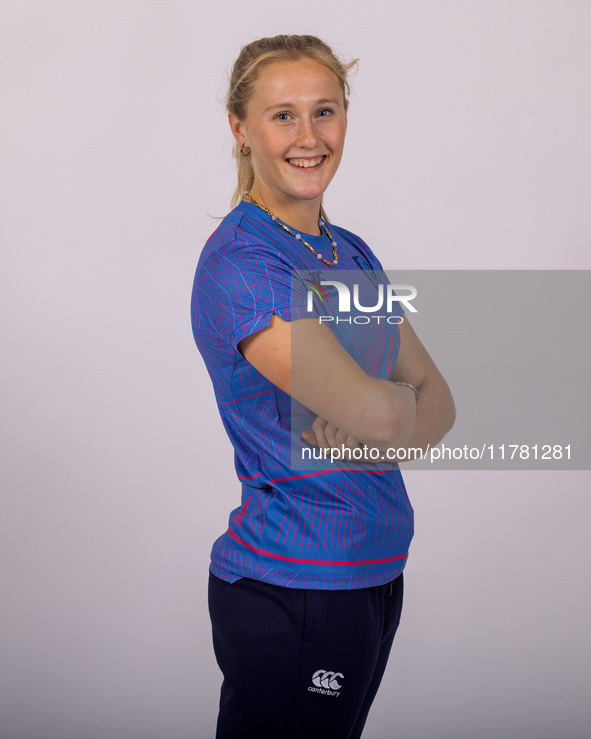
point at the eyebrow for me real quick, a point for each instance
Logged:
(324, 101)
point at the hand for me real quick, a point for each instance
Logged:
(326, 436)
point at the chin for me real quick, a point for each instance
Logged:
(308, 193)
(308, 196)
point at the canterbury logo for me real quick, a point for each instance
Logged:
(327, 680)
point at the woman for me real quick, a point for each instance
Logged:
(306, 584)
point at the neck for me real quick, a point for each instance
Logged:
(301, 215)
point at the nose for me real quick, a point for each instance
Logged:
(307, 137)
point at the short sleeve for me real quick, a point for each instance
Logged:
(238, 287)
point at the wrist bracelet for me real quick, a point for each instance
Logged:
(412, 387)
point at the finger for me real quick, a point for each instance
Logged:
(315, 435)
(341, 439)
(330, 434)
(319, 424)
(309, 436)
(318, 427)
(352, 443)
(321, 439)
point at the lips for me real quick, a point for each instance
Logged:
(306, 163)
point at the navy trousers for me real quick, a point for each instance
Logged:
(300, 664)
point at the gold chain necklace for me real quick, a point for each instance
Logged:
(335, 259)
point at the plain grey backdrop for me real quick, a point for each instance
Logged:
(468, 148)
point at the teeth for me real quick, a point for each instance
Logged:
(305, 162)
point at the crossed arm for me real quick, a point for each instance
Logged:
(353, 408)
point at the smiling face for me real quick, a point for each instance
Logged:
(295, 126)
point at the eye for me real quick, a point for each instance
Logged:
(282, 116)
(325, 112)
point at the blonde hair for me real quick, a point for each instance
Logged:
(247, 68)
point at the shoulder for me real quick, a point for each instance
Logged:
(228, 238)
(241, 266)
(241, 241)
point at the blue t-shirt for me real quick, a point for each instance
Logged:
(333, 525)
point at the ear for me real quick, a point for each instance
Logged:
(238, 130)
